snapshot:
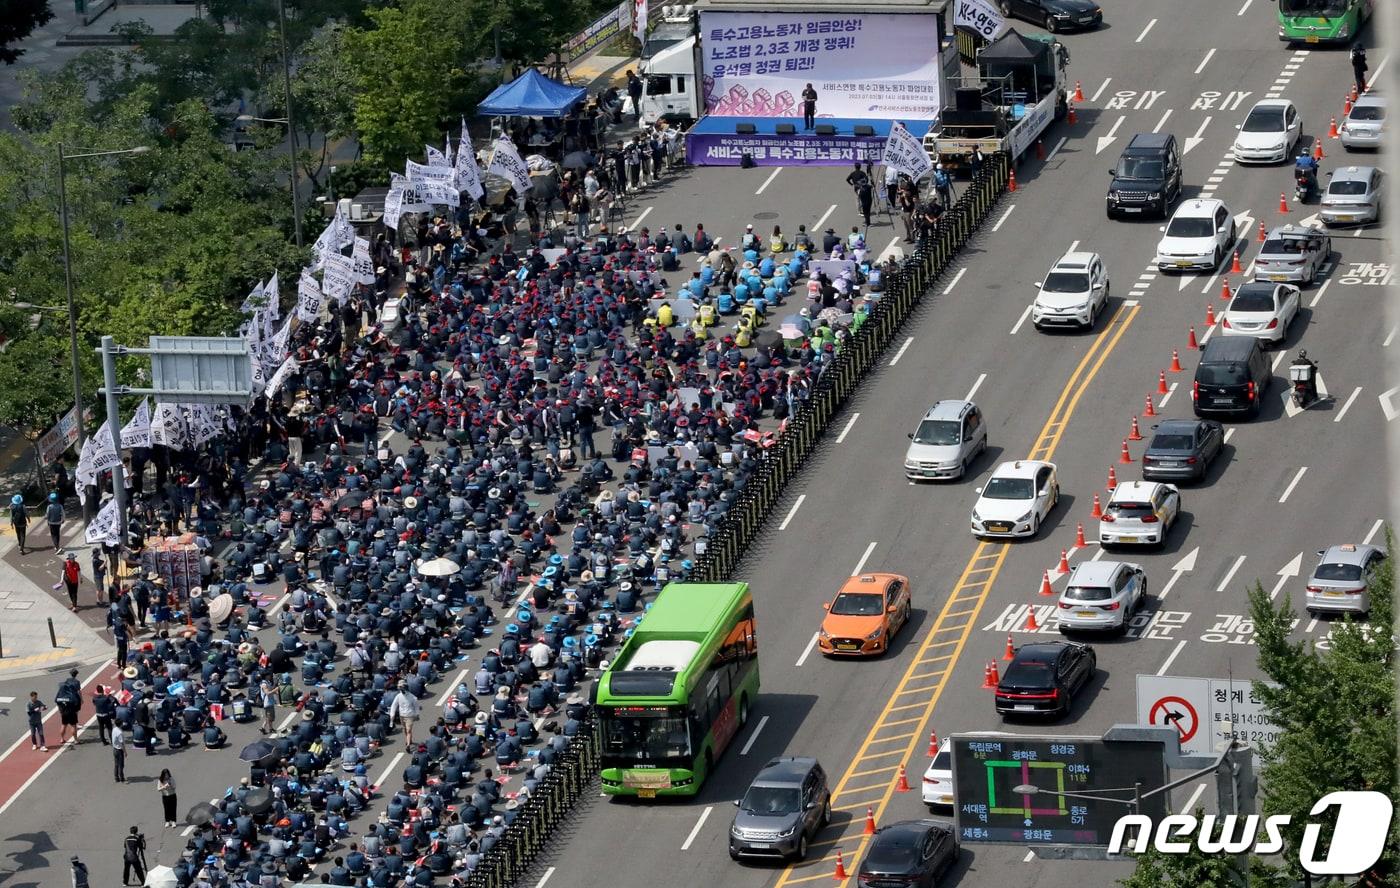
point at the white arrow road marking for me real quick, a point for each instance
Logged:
(1310, 221)
(1286, 573)
(1347, 405)
(1105, 141)
(1186, 564)
(1386, 399)
(1230, 574)
(1292, 410)
(1193, 141)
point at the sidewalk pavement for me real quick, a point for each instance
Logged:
(26, 608)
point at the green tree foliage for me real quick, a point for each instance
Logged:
(18, 19)
(1191, 870)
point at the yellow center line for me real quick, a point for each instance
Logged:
(961, 621)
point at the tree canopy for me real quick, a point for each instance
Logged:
(20, 19)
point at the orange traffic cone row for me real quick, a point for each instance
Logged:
(1078, 92)
(1124, 457)
(1097, 511)
(1011, 183)
(1176, 362)
(1045, 588)
(1134, 434)
(1318, 153)
(1332, 129)
(1235, 263)
(1073, 118)
(993, 675)
(1346, 106)
(1162, 382)
(932, 744)
(841, 874)
(1225, 293)
(1210, 315)
(1112, 480)
(903, 784)
(1282, 202)
(869, 821)
(1010, 650)
(1063, 566)
(1191, 341)
(1032, 625)
(1147, 408)
(1079, 533)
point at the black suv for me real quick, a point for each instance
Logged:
(1231, 378)
(1042, 679)
(1147, 178)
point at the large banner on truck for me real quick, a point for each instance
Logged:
(882, 66)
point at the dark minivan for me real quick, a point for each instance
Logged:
(1147, 179)
(1231, 378)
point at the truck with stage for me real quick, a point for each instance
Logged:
(1019, 89)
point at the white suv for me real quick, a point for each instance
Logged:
(1072, 294)
(1198, 236)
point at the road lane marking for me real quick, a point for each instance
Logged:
(954, 282)
(638, 224)
(1143, 35)
(1074, 245)
(1347, 406)
(978, 384)
(1030, 855)
(801, 497)
(1390, 337)
(1278, 359)
(754, 736)
(806, 652)
(704, 815)
(1210, 53)
(544, 878)
(1318, 298)
(56, 751)
(1230, 574)
(1098, 92)
(1244, 7)
(1377, 73)
(842, 437)
(1292, 484)
(769, 181)
(1171, 390)
(1172, 656)
(452, 686)
(889, 250)
(860, 565)
(389, 769)
(902, 349)
(822, 221)
(1058, 145)
(1163, 122)
(1375, 529)
(1021, 320)
(1229, 433)
(1004, 217)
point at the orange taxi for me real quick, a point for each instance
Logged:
(866, 614)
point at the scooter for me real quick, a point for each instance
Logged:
(1304, 178)
(1302, 373)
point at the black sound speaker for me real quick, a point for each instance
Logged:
(864, 129)
(745, 129)
(967, 98)
(785, 129)
(826, 129)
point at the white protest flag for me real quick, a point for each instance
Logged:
(412, 200)
(168, 427)
(84, 474)
(468, 174)
(436, 158)
(983, 17)
(438, 193)
(254, 300)
(137, 432)
(104, 527)
(437, 173)
(277, 348)
(310, 299)
(506, 161)
(393, 208)
(338, 277)
(447, 149)
(364, 265)
(905, 153)
(202, 421)
(281, 375)
(639, 20)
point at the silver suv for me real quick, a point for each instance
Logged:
(786, 805)
(949, 437)
(1102, 595)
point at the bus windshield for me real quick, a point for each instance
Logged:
(1314, 7)
(645, 738)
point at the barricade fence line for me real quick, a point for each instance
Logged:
(573, 774)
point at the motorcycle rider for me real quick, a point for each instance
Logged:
(1306, 378)
(1305, 170)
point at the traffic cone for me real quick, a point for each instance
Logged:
(932, 744)
(903, 784)
(1079, 532)
(1332, 129)
(1010, 650)
(1176, 362)
(1354, 93)
(1125, 458)
(1045, 588)
(1112, 480)
(1225, 293)
(1073, 118)
(1134, 434)
(869, 821)
(1191, 338)
(1063, 566)
(1162, 382)
(1147, 408)
(841, 874)
(1011, 183)
(1235, 263)
(1282, 202)
(1097, 511)
(1346, 106)
(1210, 315)
(1078, 92)
(1039, 149)
(1032, 625)
(993, 675)
(1263, 235)
(1318, 153)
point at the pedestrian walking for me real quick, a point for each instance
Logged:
(80, 873)
(165, 783)
(71, 576)
(269, 708)
(134, 857)
(69, 701)
(406, 707)
(943, 184)
(35, 710)
(975, 163)
(53, 514)
(859, 180)
(809, 107)
(19, 520)
(1358, 66)
(118, 754)
(120, 637)
(99, 574)
(908, 203)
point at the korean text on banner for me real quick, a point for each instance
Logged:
(137, 432)
(979, 16)
(882, 66)
(906, 154)
(103, 528)
(59, 438)
(506, 161)
(600, 31)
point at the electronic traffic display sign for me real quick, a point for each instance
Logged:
(991, 772)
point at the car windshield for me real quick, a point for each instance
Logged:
(772, 800)
(943, 761)
(1066, 282)
(938, 432)
(1256, 301)
(1313, 7)
(1029, 673)
(1335, 571)
(1232, 373)
(1009, 489)
(1149, 168)
(1276, 245)
(1368, 112)
(1088, 593)
(1171, 442)
(645, 739)
(1347, 186)
(1190, 226)
(861, 604)
(1264, 120)
(1130, 509)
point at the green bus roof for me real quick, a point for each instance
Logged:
(696, 616)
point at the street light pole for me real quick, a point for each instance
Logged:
(291, 123)
(72, 305)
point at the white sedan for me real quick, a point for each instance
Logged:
(1263, 310)
(1268, 133)
(1016, 500)
(938, 779)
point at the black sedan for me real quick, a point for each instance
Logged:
(1055, 15)
(1182, 449)
(909, 853)
(1042, 679)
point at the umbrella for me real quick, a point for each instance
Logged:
(257, 751)
(767, 339)
(161, 877)
(578, 160)
(438, 567)
(258, 801)
(220, 608)
(200, 815)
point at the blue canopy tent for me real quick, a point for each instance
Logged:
(532, 95)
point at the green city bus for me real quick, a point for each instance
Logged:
(678, 691)
(1321, 21)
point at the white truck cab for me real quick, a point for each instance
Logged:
(670, 69)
